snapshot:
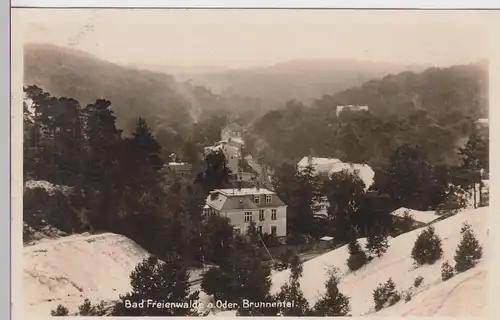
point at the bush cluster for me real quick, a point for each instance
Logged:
(385, 295)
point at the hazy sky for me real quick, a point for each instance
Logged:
(237, 38)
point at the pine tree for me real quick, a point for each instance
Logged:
(377, 243)
(146, 146)
(159, 281)
(357, 257)
(291, 291)
(427, 248)
(469, 250)
(333, 303)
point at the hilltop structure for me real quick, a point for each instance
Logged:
(351, 107)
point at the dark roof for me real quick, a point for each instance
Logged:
(242, 202)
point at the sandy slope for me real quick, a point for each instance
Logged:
(68, 269)
(433, 297)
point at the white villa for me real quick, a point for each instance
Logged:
(330, 166)
(245, 205)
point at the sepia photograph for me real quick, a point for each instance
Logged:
(243, 162)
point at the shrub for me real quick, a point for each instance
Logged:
(427, 248)
(385, 294)
(60, 311)
(469, 250)
(408, 296)
(395, 298)
(418, 281)
(446, 271)
(270, 240)
(87, 309)
(357, 257)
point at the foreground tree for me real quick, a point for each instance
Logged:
(475, 157)
(333, 303)
(409, 177)
(291, 291)
(243, 275)
(159, 281)
(345, 193)
(217, 237)
(469, 251)
(427, 248)
(357, 257)
(377, 242)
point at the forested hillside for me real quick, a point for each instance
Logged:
(304, 80)
(167, 105)
(435, 108)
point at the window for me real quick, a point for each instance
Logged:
(273, 214)
(269, 198)
(260, 229)
(274, 230)
(256, 199)
(262, 217)
(236, 230)
(248, 217)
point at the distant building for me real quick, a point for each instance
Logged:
(420, 218)
(483, 125)
(350, 107)
(232, 130)
(329, 166)
(182, 169)
(244, 205)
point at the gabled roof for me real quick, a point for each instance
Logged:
(419, 216)
(243, 199)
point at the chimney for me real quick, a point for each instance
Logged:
(309, 158)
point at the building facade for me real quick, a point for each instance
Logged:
(245, 205)
(182, 169)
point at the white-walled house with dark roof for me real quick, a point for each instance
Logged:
(244, 205)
